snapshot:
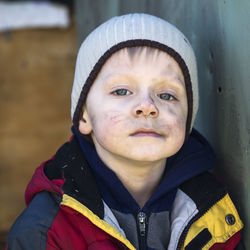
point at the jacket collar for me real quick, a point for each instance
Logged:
(195, 156)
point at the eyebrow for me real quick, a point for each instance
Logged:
(173, 81)
(111, 76)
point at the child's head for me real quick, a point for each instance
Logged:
(134, 73)
(137, 106)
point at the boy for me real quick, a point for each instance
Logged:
(135, 175)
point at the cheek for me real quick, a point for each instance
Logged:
(174, 124)
(176, 128)
(180, 121)
(113, 118)
(179, 130)
(175, 117)
(108, 123)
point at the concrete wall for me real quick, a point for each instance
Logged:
(219, 31)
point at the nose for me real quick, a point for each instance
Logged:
(146, 108)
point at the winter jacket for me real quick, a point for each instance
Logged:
(66, 211)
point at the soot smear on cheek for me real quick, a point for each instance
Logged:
(114, 117)
(177, 116)
(109, 123)
(173, 125)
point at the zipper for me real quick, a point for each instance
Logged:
(142, 221)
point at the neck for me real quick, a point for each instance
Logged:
(140, 178)
(140, 181)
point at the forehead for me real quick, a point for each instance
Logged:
(144, 59)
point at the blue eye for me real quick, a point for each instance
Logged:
(166, 97)
(121, 92)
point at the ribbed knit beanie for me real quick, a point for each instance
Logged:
(132, 30)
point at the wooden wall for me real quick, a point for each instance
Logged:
(36, 76)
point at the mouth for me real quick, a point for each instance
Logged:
(145, 133)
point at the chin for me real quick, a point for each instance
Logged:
(147, 156)
(149, 153)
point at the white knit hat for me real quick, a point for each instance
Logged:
(132, 30)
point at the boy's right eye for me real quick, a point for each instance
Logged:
(121, 92)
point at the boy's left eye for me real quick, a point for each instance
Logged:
(121, 92)
(166, 97)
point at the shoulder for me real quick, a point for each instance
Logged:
(216, 219)
(30, 229)
(204, 189)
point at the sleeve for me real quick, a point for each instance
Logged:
(20, 239)
(30, 229)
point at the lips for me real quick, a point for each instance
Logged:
(145, 132)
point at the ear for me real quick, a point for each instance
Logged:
(85, 126)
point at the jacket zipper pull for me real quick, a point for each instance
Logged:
(142, 223)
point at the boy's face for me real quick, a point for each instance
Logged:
(137, 107)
